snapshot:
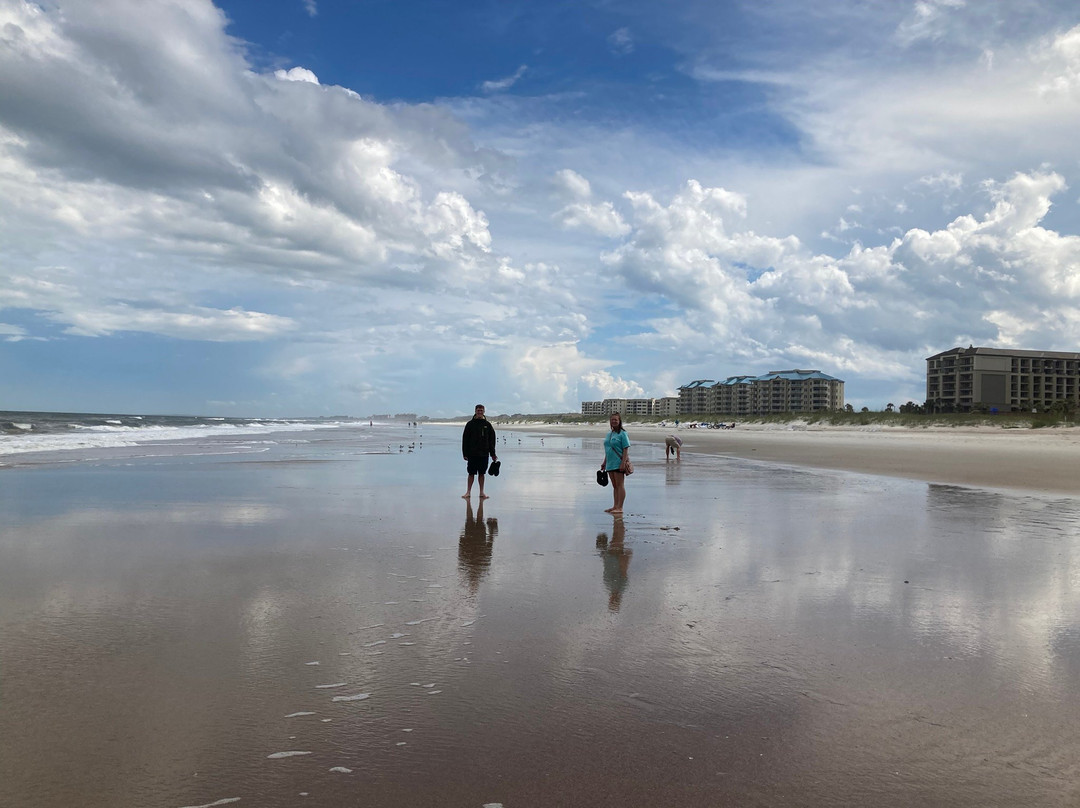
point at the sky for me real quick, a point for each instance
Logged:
(344, 207)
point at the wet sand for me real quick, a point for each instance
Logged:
(748, 634)
(1045, 460)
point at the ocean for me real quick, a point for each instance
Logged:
(36, 437)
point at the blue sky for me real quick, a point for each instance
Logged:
(308, 207)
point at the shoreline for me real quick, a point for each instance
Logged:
(1046, 461)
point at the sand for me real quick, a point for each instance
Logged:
(309, 623)
(1025, 459)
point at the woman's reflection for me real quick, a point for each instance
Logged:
(616, 558)
(476, 544)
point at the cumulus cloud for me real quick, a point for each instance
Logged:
(584, 214)
(997, 279)
(283, 168)
(159, 135)
(551, 373)
(572, 183)
(601, 218)
(1062, 57)
(297, 74)
(601, 384)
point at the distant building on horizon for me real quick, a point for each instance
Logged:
(774, 392)
(966, 379)
(662, 407)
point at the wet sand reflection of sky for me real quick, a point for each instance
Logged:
(192, 614)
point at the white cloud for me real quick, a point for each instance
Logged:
(297, 74)
(1062, 58)
(90, 312)
(167, 143)
(601, 218)
(928, 20)
(498, 85)
(311, 7)
(550, 373)
(572, 183)
(202, 323)
(621, 41)
(954, 118)
(601, 384)
(12, 333)
(943, 181)
(597, 217)
(874, 310)
(284, 172)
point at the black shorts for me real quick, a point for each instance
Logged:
(478, 465)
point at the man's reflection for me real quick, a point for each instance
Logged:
(476, 544)
(616, 558)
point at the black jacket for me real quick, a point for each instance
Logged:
(478, 439)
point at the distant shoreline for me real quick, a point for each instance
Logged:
(1043, 460)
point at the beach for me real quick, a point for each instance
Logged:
(319, 619)
(1045, 460)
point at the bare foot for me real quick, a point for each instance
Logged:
(609, 510)
(483, 496)
(615, 511)
(466, 496)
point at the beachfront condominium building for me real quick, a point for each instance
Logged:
(798, 391)
(734, 395)
(662, 407)
(624, 406)
(592, 408)
(666, 407)
(965, 379)
(777, 391)
(774, 392)
(697, 397)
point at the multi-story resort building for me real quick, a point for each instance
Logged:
(593, 408)
(697, 396)
(666, 407)
(774, 392)
(963, 379)
(734, 395)
(662, 407)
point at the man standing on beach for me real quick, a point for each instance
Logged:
(477, 442)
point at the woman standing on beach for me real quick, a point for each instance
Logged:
(616, 456)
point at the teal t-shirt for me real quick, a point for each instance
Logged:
(614, 445)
